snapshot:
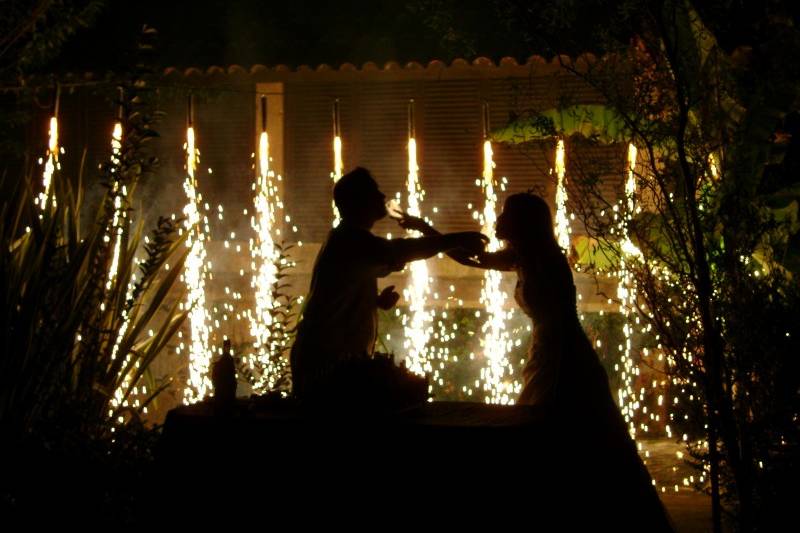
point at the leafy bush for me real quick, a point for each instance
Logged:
(77, 341)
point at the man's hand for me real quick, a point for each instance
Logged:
(472, 242)
(388, 298)
(413, 223)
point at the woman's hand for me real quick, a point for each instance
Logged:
(388, 298)
(472, 242)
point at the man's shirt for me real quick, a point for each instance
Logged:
(340, 318)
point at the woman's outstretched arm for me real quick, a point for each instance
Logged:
(501, 260)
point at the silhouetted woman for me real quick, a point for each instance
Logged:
(563, 373)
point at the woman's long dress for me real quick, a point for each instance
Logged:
(564, 375)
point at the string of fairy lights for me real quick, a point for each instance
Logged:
(427, 329)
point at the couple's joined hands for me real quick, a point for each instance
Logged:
(473, 242)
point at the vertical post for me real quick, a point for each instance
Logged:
(57, 103)
(411, 129)
(120, 103)
(336, 125)
(190, 111)
(485, 121)
(263, 113)
(268, 117)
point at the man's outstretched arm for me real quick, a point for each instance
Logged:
(500, 260)
(412, 249)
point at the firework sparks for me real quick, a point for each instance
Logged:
(119, 193)
(265, 257)
(562, 218)
(627, 295)
(416, 325)
(115, 233)
(51, 164)
(497, 384)
(194, 276)
(338, 162)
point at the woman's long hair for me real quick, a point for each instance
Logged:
(531, 222)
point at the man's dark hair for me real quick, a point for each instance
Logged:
(350, 191)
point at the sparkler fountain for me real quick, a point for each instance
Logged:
(194, 276)
(338, 164)
(498, 387)
(631, 401)
(119, 226)
(119, 193)
(51, 163)
(562, 228)
(265, 256)
(626, 292)
(416, 326)
(116, 232)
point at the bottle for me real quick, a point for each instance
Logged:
(223, 378)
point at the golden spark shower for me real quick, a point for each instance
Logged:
(338, 162)
(497, 372)
(51, 164)
(563, 230)
(195, 274)
(264, 263)
(416, 323)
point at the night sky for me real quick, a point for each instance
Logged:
(247, 32)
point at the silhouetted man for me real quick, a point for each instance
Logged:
(339, 321)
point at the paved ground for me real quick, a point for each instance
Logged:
(689, 509)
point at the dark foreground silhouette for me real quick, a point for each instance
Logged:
(358, 428)
(449, 463)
